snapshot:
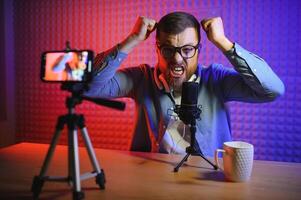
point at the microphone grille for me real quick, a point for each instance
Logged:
(190, 91)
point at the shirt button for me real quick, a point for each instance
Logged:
(254, 70)
(119, 59)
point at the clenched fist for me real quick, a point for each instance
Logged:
(142, 29)
(215, 33)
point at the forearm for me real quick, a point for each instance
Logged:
(106, 80)
(255, 72)
(105, 67)
(224, 44)
(128, 44)
(140, 32)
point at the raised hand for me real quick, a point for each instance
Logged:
(142, 29)
(215, 33)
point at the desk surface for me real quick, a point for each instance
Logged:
(143, 176)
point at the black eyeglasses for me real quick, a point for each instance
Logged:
(186, 51)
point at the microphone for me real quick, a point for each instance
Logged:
(189, 111)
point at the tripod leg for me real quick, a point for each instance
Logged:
(50, 153)
(90, 150)
(38, 181)
(77, 193)
(70, 160)
(36, 186)
(100, 178)
(213, 165)
(176, 169)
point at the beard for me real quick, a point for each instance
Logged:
(176, 75)
(176, 83)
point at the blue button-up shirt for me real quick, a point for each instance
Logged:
(251, 80)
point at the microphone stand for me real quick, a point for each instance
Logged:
(189, 116)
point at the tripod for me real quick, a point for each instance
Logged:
(191, 149)
(73, 121)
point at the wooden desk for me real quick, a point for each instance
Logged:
(143, 176)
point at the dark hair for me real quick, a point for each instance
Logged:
(176, 22)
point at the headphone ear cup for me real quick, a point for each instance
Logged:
(164, 83)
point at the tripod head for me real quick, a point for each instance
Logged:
(77, 90)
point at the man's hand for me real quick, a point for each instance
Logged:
(215, 33)
(141, 31)
(143, 28)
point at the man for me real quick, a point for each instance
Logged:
(157, 90)
(70, 66)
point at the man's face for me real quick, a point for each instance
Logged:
(177, 69)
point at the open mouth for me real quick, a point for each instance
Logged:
(177, 70)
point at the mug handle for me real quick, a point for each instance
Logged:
(216, 157)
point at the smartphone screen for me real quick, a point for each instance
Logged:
(62, 66)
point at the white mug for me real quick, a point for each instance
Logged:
(237, 160)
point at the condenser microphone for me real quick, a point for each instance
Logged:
(189, 111)
(189, 98)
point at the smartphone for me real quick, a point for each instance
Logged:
(66, 66)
